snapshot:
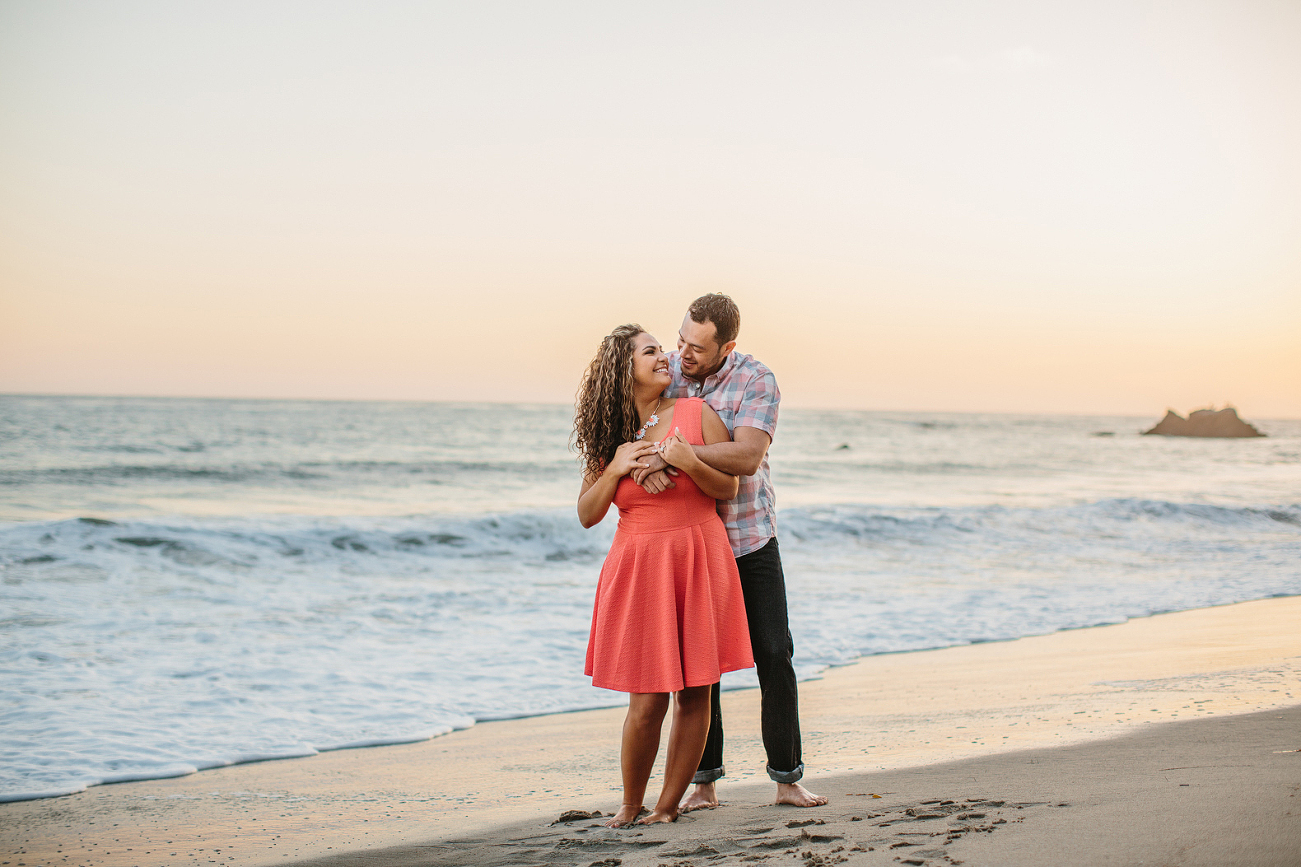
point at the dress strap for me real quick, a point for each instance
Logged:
(690, 422)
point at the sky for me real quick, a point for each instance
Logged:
(1004, 207)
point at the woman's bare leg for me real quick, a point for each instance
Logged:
(641, 742)
(686, 746)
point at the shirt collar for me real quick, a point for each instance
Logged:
(696, 389)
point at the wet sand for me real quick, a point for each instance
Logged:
(1170, 739)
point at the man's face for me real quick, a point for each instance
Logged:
(699, 350)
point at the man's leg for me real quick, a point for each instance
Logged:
(764, 587)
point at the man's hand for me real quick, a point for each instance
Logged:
(655, 476)
(652, 463)
(658, 483)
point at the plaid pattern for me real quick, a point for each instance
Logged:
(744, 394)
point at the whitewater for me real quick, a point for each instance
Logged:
(186, 584)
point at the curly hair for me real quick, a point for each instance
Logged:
(605, 413)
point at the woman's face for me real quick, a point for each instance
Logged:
(650, 366)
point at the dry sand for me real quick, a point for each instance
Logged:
(1168, 740)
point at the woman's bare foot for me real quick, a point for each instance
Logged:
(703, 798)
(797, 796)
(626, 815)
(658, 817)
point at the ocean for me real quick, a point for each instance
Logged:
(187, 584)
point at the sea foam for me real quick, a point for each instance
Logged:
(138, 649)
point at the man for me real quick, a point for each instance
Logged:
(745, 395)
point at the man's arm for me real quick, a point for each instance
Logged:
(741, 457)
(750, 438)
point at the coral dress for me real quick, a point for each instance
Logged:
(669, 612)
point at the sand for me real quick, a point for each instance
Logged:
(1168, 740)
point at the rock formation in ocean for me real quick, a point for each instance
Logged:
(1204, 423)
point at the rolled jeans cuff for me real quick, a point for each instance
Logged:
(708, 776)
(786, 776)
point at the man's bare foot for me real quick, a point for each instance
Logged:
(656, 817)
(626, 815)
(797, 796)
(702, 798)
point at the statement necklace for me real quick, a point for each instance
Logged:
(650, 422)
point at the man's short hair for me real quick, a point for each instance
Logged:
(720, 310)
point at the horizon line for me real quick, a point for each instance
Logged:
(128, 396)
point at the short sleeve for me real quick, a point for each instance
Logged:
(759, 403)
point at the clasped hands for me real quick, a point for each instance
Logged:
(656, 470)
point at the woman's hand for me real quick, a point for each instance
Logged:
(628, 457)
(677, 451)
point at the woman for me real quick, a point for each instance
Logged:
(669, 617)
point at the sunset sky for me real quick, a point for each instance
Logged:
(1090, 207)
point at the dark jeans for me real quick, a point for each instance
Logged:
(764, 588)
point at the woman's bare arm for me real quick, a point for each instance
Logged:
(597, 492)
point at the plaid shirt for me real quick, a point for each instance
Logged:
(744, 394)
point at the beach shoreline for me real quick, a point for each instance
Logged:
(888, 714)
